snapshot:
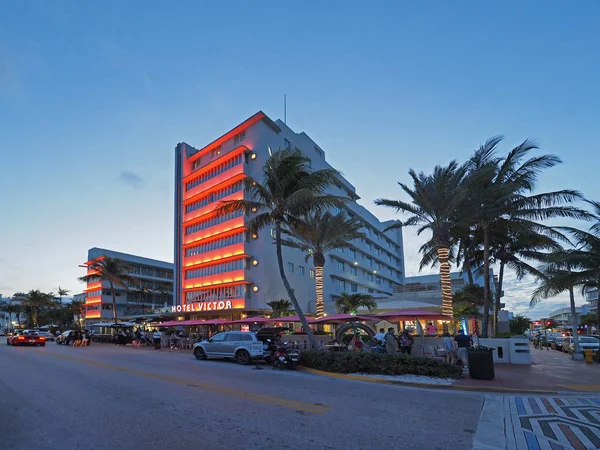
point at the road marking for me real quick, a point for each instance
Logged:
(277, 401)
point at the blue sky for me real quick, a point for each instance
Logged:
(95, 95)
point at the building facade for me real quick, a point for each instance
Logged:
(221, 267)
(591, 297)
(151, 290)
(562, 316)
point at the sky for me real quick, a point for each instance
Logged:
(95, 95)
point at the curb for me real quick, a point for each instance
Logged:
(424, 385)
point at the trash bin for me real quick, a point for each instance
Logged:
(481, 363)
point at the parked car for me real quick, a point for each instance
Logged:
(66, 337)
(585, 343)
(26, 337)
(49, 336)
(241, 346)
(557, 342)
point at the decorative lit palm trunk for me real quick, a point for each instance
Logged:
(443, 253)
(319, 286)
(319, 262)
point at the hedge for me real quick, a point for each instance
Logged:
(376, 363)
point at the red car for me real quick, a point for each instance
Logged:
(26, 337)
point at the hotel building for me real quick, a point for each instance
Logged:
(219, 266)
(151, 290)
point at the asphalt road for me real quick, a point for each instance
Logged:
(111, 398)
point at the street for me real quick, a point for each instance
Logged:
(107, 397)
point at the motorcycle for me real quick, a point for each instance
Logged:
(269, 350)
(286, 356)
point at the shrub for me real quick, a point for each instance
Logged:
(375, 363)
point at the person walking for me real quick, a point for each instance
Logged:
(380, 336)
(391, 343)
(406, 342)
(156, 336)
(464, 343)
(448, 344)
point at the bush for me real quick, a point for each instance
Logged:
(380, 364)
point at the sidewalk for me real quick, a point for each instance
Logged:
(538, 423)
(551, 371)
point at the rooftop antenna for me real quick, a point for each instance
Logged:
(285, 109)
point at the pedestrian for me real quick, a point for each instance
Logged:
(174, 339)
(431, 329)
(449, 349)
(406, 342)
(156, 336)
(380, 336)
(391, 344)
(85, 339)
(464, 342)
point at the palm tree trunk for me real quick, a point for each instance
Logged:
(467, 266)
(288, 287)
(445, 282)
(319, 285)
(114, 300)
(497, 299)
(486, 282)
(574, 322)
(598, 308)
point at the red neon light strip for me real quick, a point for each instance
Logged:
(236, 151)
(229, 135)
(216, 187)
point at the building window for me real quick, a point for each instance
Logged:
(214, 196)
(301, 270)
(239, 137)
(341, 285)
(370, 276)
(215, 171)
(290, 267)
(215, 244)
(352, 270)
(340, 265)
(371, 290)
(309, 164)
(215, 151)
(210, 222)
(287, 144)
(311, 273)
(318, 150)
(215, 294)
(378, 280)
(353, 287)
(369, 246)
(391, 272)
(352, 253)
(369, 261)
(378, 266)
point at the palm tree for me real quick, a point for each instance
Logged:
(519, 324)
(503, 187)
(436, 201)
(319, 233)
(349, 303)
(36, 300)
(61, 293)
(289, 190)
(115, 272)
(514, 243)
(280, 308)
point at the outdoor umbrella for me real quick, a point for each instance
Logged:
(290, 319)
(343, 318)
(250, 320)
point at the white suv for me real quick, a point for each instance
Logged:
(239, 345)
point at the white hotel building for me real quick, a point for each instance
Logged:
(220, 267)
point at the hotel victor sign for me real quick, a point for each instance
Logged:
(208, 306)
